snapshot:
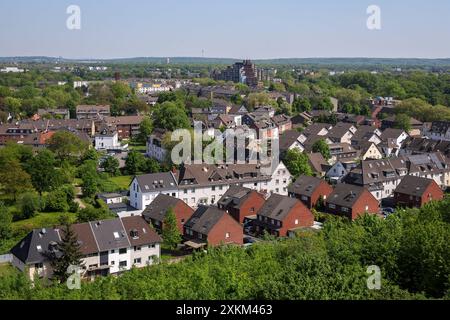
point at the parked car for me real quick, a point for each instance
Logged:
(249, 240)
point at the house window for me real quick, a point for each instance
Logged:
(113, 263)
(200, 236)
(174, 194)
(332, 206)
(192, 200)
(185, 191)
(227, 235)
(123, 251)
(137, 261)
(296, 221)
(213, 188)
(344, 209)
(122, 264)
(113, 251)
(367, 208)
(151, 246)
(252, 209)
(137, 248)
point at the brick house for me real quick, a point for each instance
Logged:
(309, 190)
(351, 201)
(241, 202)
(156, 212)
(281, 214)
(212, 226)
(127, 126)
(416, 191)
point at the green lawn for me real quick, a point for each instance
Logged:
(122, 181)
(7, 270)
(41, 220)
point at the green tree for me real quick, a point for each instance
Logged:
(110, 165)
(91, 213)
(29, 204)
(403, 121)
(297, 163)
(67, 145)
(322, 147)
(5, 223)
(67, 253)
(41, 168)
(56, 201)
(12, 105)
(170, 116)
(134, 162)
(13, 179)
(151, 166)
(90, 185)
(170, 232)
(145, 130)
(301, 105)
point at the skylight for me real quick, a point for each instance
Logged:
(116, 235)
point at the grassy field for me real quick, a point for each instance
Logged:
(7, 269)
(122, 181)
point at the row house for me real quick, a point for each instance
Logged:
(380, 177)
(211, 226)
(155, 213)
(107, 246)
(369, 150)
(310, 190)
(432, 166)
(343, 152)
(414, 145)
(241, 202)
(416, 191)
(205, 184)
(351, 201)
(282, 215)
(366, 134)
(392, 141)
(341, 133)
(92, 111)
(439, 130)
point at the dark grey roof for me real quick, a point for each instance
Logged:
(110, 234)
(154, 182)
(234, 197)
(158, 208)
(33, 247)
(287, 139)
(339, 130)
(440, 127)
(414, 186)
(277, 206)
(391, 133)
(315, 128)
(204, 219)
(305, 185)
(345, 195)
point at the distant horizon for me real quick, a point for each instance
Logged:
(225, 58)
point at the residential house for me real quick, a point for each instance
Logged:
(127, 126)
(107, 139)
(155, 145)
(366, 134)
(351, 201)
(281, 215)
(283, 122)
(212, 226)
(107, 246)
(339, 170)
(318, 163)
(416, 191)
(155, 213)
(341, 133)
(310, 190)
(290, 140)
(369, 150)
(440, 130)
(392, 140)
(145, 188)
(241, 202)
(343, 152)
(92, 111)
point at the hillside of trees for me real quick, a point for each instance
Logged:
(411, 248)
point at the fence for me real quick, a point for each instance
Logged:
(5, 258)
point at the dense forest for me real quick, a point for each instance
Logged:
(411, 248)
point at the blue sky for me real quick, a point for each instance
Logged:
(225, 28)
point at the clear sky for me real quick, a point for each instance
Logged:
(225, 28)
